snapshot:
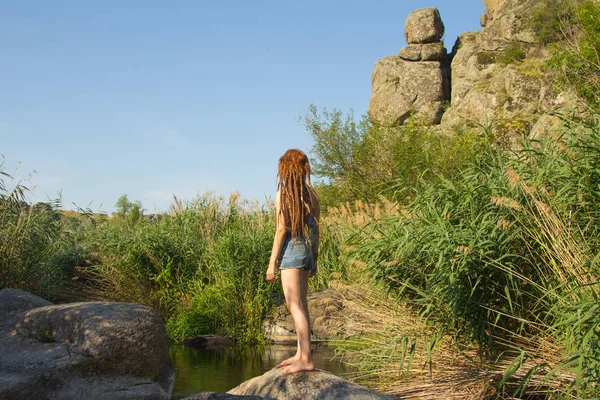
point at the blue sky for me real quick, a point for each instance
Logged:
(151, 99)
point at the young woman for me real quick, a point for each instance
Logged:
(296, 247)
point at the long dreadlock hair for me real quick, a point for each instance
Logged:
(293, 180)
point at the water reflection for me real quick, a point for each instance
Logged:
(219, 370)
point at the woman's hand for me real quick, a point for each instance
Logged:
(271, 273)
(313, 271)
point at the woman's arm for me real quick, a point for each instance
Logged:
(278, 240)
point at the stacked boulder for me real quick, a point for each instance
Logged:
(415, 83)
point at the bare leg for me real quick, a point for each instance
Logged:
(295, 287)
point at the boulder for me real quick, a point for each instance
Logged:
(327, 319)
(82, 350)
(491, 7)
(402, 89)
(508, 20)
(486, 90)
(207, 341)
(416, 83)
(223, 396)
(306, 385)
(423, 52)
(424, 26)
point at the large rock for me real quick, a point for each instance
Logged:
(491, 7)
(81, 350)
(509, 20)
(487, 91)
(306, 386)
(321, 308)
(223, 396)
(416, 83)
(424, 26)
(402, 89)
(423, 52)
(327, 319)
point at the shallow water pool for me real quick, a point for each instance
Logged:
(220, 370)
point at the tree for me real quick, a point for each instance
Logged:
(125, 209)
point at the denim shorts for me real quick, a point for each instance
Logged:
(296, 253)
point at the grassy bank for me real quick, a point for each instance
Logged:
(201, 266)
(499, 268)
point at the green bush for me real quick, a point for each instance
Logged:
(551, 19)
(362, 161)
(513, 53)
(577, 59)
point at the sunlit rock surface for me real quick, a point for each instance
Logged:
(86, 351)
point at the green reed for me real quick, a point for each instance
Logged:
(506, 255)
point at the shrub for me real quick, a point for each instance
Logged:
(577, 58)
(513, 53)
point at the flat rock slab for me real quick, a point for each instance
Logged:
(224, 396)
(89, 351)
(306, 385)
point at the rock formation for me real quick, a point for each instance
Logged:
(497, 74)
(328, 320)
(416, 81)
(224, 396)
(498, 77)
(82, 350)
(306, 386)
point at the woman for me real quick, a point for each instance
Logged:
(295, 247)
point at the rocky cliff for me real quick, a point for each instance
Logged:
(494, 76)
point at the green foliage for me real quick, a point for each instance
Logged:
(361, 161)
(506, 253)
(128, 211)
(45, 335)
(551, 18)
(27, 235)
(487, 57)
(577, 59)
(513, 53)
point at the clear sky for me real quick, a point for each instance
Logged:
(155, 98)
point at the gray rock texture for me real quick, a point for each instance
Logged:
(423, 52)
(223, 396)
(493, 77)
(306, 386)
(488, 90)
(403, 89)
(424, 26)
(416, 82)
(81, 350)
(508, 19)
(327, 320)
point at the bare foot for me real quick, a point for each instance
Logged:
(289, 361)
(298, 366)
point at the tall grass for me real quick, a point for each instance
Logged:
(202, 266)
(505, 255)
(28, 237)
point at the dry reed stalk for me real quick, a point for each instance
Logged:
(385, 326)
(359, 214)
(443, 371)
